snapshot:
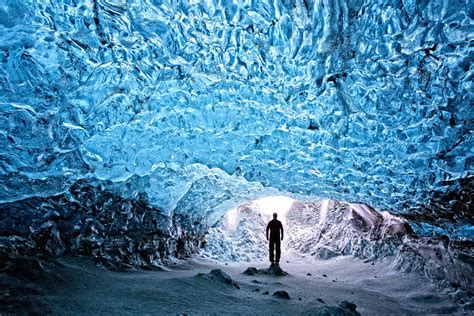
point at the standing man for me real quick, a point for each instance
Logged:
(275, 226)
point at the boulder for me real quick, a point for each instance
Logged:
(282, 294)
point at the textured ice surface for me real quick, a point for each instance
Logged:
(331, 228)
(199, 105)
(238, 236)
(328, 229)
(93, 220)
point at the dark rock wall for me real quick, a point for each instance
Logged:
(90, 220)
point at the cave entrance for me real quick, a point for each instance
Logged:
(320, 229)
(240, 234)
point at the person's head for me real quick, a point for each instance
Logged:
(275, 215)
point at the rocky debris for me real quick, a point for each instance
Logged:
(265, 293)
(218, 276)
(344, 309)
(282, 294)
(274, 270)
(321, 300)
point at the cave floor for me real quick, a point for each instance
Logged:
(78, 286)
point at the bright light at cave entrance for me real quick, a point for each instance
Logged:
(274, 204)
(231, 219)
(267, 206)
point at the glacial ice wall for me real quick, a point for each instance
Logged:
(326, 229)
(200, 105)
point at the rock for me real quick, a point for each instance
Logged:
(282, 294)
(348, 305)
(308, 274)
(324, 275)
(344, 309)
(257, 290)
(251, 271)
(217, 275)
(272, 270)
(265, 293)
(299, 298)
(321, 300)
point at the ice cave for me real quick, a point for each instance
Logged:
(146, 144)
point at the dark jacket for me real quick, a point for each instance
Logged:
(274, 226)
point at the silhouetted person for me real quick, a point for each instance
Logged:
(274, 227)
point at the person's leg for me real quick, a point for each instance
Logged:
(278, 251)
(271, 248)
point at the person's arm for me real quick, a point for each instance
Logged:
(268, 228)
(281, 227)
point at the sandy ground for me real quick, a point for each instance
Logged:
(78, 286)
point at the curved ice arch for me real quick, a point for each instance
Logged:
(364, 101)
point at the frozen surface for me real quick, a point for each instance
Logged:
(198, 106)
(374, 289)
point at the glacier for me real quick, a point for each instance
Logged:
(169, 113)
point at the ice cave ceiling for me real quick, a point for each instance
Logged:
(199, 105)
